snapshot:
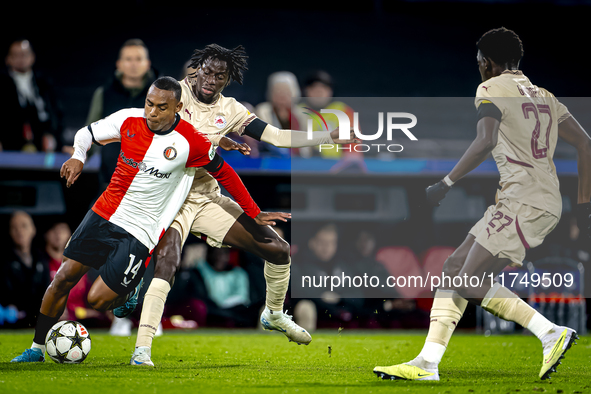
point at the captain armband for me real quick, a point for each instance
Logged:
(215, 164)
(488, 109)
(255, 129)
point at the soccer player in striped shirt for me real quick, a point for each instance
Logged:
(214, 217)
(159, 155)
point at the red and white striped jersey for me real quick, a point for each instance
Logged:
(154, 172)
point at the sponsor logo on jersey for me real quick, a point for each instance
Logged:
(170, 153)
(143, 167)
(219, 121)
(189, 113)
(130, 135)
(529, 91)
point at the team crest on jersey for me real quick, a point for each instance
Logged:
(219, 121)
(170, 153)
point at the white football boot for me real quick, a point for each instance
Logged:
(280, 321)
(417, 369)
(142, 356)
(556, 342)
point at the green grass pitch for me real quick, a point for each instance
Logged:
(248, 361)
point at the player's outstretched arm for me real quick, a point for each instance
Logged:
(283, 138)
(227, 177)
(487, 131)
(572, 133)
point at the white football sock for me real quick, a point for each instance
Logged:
(502, 302)
(277, 278)
(539, 325)
(37, 346)
(152, 311)
(432, 352)
(447, 310)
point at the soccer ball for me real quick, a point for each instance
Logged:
(68, 342)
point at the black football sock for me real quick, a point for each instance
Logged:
(44, 324)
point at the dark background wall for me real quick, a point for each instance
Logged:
(372, 48)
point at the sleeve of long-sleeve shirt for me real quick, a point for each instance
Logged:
(102, 132)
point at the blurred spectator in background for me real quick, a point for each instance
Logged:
(77, 308)
(35, 121)
(318, 92)
(282, 91)
(24, 274)
(126, 89)
(55, 243)
(382, 306)
(185, 300)
(325, 306)
(213, 291)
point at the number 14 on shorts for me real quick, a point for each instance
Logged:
(131, 269)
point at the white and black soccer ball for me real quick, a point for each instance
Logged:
(68, 342)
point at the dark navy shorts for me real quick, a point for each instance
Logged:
(118, 256)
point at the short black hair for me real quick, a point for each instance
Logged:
(169, 83)
(235, 59)
(502, 46)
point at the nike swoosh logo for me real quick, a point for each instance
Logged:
(427, 374)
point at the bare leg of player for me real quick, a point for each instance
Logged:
(102, 298)
(244, 234)
(53, 306)
(264, 242)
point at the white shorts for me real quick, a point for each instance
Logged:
(508, 229)
(208, 216)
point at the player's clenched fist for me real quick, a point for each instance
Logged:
(71, 170)
(436, 193)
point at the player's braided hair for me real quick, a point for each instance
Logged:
(234, 58)
(503, 46)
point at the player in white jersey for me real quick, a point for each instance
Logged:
(159, 155)
(207, 213)
(519, 123)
